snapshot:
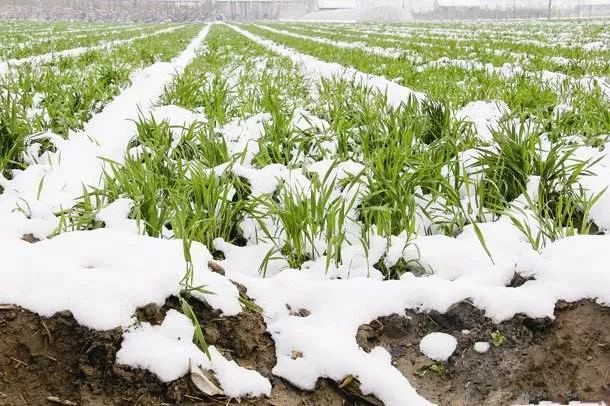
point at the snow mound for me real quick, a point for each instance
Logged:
(102, 276)
(484, 115)
(386, 13)
(438, 346)
(481, 347)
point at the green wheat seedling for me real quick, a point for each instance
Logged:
(188, 287)
(311, 222)
(209, 206)
(13, 132)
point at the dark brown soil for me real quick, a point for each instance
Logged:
(55, 357)
(563, 360)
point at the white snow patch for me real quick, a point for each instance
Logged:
(438, 346)
(564, 271)
(43, 58)
(56, 183)
(115, 215)
(178, 118)
(103, 275)
(481, 347)
(484, 115)
(595, 46)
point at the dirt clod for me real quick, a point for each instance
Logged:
(30, 238)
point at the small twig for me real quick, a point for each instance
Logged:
(7, 307)
(4, 395)
(432, 320)
(46, 329)
(19, 361)
(55, 399)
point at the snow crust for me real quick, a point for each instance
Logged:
(455, 269)
(438, 346)
(115, 216)
(555, 80)
(102, 276)
(563, 271)
(387, 52)
(484, 115)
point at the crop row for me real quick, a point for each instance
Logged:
(17, 48)
(525, 95)
(330, 165)
(59, 96)
(422, 49)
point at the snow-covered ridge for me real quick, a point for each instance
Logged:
(103, 276)
(337, 308)
(566, 39)
(386, 52)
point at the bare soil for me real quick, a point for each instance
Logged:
(566, 359)
(562, 360)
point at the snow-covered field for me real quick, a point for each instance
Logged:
(340, 173)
